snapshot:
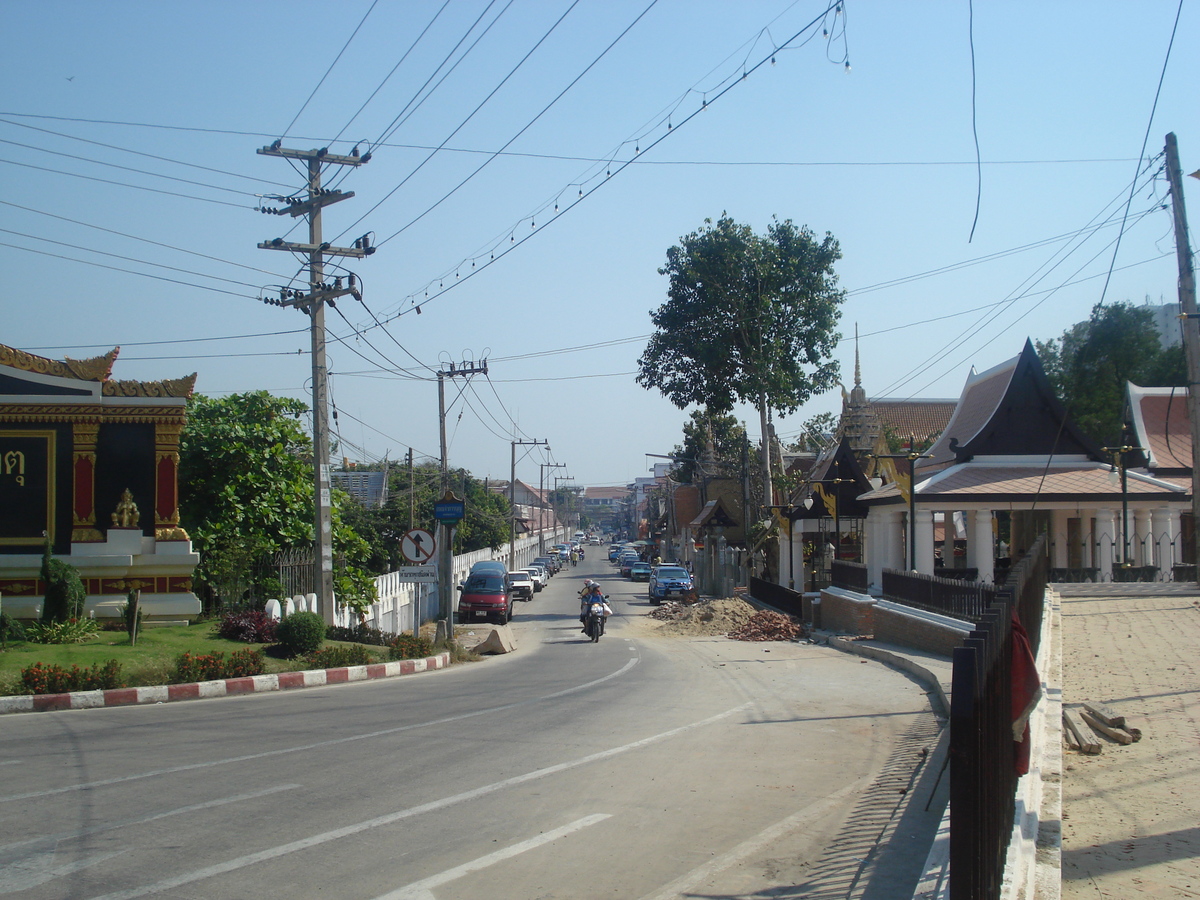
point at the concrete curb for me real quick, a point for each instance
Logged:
(228, 687)
(900, 662)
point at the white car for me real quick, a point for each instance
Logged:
(539, 576)
(520, 585)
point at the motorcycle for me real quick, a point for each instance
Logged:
(594, 625)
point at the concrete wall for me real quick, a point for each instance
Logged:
(847, 612)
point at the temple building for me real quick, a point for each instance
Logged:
(1010, 464)
(91, 463)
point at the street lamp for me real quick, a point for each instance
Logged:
(1118, 455)
(912, 456)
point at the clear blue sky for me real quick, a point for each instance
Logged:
(882, 156)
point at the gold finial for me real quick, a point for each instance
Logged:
(126, 515)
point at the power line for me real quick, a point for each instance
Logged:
(167, 159)
(136, 187)
(123, 344)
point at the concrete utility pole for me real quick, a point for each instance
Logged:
(1191, 326)
(512, 498)
(542, 467)
(445, 531)
(313, 303)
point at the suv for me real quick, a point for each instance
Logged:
(539, 575)
(484, 595)
(668, 582)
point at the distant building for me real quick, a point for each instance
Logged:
(368, 488)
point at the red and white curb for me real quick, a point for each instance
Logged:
(253, 684)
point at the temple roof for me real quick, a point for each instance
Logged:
(1159, 416)
(1010, 410)
(919, 419)
(26, 375)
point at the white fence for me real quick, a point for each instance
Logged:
(401, 602)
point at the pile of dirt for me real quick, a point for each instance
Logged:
(769, 626)
(708, 617)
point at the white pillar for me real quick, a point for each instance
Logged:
(1105, 543)
(1176, 534)
(981, 543)
(894, 557)
(1141, 553)
(1087, 537)
(924, 541)
(876, 547)
(1160, 541)
(1058, 535)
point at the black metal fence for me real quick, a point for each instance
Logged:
(983, 779)
(851, 576)
(960, 599)
(785, 599)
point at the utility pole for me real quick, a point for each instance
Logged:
(512, 498)
(445, 530)
(313, 304)
(1191, 327)
(412, 491)
(542, 467)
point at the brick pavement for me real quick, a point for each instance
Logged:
(1131, 816)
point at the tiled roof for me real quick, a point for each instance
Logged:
(1160, 421)
(920, 418)
(981, 395)
(605, 493)
(1029, 481)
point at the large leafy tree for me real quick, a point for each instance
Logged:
(1090, 363)
(727, 438)
(749, 318)
(246, 492)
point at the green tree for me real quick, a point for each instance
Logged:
(749, 318)
(1090, 363)
(245, 475)
(727, 436)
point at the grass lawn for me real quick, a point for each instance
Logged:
(151, 661)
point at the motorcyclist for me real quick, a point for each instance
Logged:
(590, 598)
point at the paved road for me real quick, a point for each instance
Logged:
(638, 767)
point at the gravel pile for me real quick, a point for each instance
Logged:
(708, 617)
(769, 626)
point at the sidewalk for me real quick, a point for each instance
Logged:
(1131, 816)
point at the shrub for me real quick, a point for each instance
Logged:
(360, 634)
(250, 626)
(64, 589)
(335, 657)
(10, 629)
(406, 646)
(213, 667)
(300, 633)
(52, 679)
(72, 631)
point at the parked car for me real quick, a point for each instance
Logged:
(614, 552)
(627, 564)
(639, 571)
(539, 575)
(669, 583)
(552, 564)
(485, 595)
(520, 585)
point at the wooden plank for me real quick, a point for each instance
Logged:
(1085, 738)
(1120, 735)
(1105, 714)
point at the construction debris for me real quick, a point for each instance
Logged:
(706, 618)
(1120, 735)
(769, 626)
(1083, 738)
(1104, 713)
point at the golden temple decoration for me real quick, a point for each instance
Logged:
(173, 387)
(86, 536)
(95, 369)
(171, 534)
(126, 515)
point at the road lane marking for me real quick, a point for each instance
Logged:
(332, 742)
(423, 889)
(38, 869)
(391, 818)
(196, 807)
(700, 874)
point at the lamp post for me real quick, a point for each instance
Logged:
(912, 456)
(1118, 456)
(791, 548)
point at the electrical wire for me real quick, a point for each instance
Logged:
(974, 120)
(304, 105)
(1145, 140)
(136, 187)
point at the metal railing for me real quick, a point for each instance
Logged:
(852, 576)
(782, 598)
(983, 777)
(967, 600)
